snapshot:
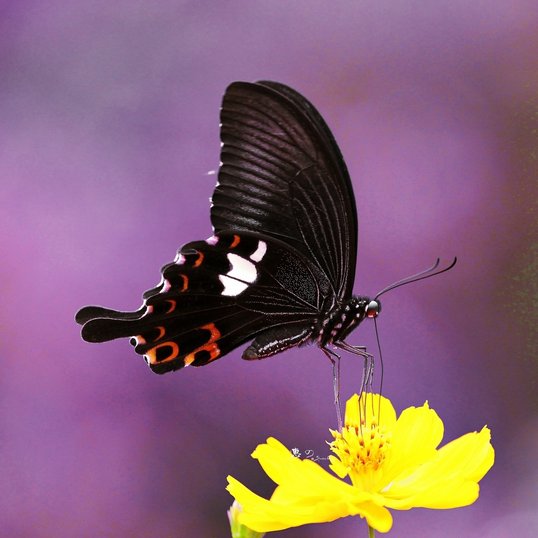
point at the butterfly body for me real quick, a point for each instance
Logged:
(280, 266)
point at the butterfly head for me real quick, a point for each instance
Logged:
(373, 308)
(364, 307)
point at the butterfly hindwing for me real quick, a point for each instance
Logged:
(216, 295)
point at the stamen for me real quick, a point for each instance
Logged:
(361, 449)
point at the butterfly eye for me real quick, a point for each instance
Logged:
(373, 308)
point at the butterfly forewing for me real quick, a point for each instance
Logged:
(282, 175)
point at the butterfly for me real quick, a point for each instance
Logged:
(279, 269)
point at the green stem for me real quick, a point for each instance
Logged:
(371, 532)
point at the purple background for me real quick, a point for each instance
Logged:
(108, 127)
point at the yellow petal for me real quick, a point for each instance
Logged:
(275, 459)
(361, 412)
(473, 448)
(287, 470)
(417, 433)
(337, 467)
(449, 480)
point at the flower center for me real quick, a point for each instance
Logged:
(362, 449)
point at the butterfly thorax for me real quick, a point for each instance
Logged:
(342, 318)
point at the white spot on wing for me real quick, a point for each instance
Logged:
(179, 259)
(242, 269)
(213, 240)
(232, 286)
(242, 273)
(260, 251)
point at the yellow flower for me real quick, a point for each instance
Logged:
(391, 463)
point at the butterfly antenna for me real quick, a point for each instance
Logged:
(431, 271)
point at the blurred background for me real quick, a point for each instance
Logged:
(109, 127)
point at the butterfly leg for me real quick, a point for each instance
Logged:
(335, 360)
(368, 368)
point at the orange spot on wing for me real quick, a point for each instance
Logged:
(172, 306)
(215, 333)
(236, 241)
(210, 346)
(185, 282)
(200, 259)
(161, 332)
(152, 353)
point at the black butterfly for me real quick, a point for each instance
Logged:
(280, 267)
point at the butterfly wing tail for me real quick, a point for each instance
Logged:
(194, 337)
(95, 312)
(103, 324)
